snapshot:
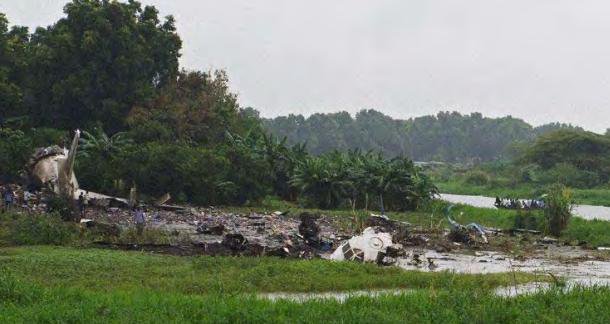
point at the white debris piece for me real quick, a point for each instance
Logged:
(364, 247)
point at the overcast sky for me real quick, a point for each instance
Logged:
(543, 60)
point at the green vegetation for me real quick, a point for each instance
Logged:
(448, 136)
(107, 270)
(59, 284)
(581, 157)
(28, 304)
(597, 196)
(576, 159)
(18, 229)
(331, 180)
(111, 69)
(559, 209)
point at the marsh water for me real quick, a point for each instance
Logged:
(575, 266)
(583, 211)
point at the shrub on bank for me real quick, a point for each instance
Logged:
(558, 209)
(477, 178)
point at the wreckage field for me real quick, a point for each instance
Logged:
(208, 263)
(280, 259)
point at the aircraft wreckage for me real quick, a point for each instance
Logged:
(53, 168)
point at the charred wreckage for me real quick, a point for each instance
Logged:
(214, 232)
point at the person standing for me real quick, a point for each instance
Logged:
(9, 198)
(139, 218)
(81, 204)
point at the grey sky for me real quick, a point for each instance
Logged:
(542, 60)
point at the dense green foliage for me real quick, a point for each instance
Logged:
(17, 145)
(331, 180)
(579, 159)
(31, 230)
(576, 159)
(448, 136)
(94, 64)
(111, 68)
(558, 210)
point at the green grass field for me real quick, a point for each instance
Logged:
(109, 270)
(45, 284)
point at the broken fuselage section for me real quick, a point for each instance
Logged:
(53, 168)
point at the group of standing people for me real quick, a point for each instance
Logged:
(510, 203)
(10, 200)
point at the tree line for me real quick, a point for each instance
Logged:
(447, 136)
(111, 69)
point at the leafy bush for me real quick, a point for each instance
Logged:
(39, 229)
(477, 178)
(361, 180)
(62, 207)
(181, 170)
(584, 156)
(558, 209)
(529, 173)
(570, 175)
(15, 149)
(528, 220)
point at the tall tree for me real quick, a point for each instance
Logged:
(11, 64)
(197, 107)
(99, 60)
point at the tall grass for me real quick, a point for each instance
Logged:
(30, 229)
(33, 304)
(107, 270)
(558, 209)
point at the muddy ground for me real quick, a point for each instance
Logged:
(181, 230)
(204, 231)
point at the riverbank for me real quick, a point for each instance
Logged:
(588, 212)
(594, 197)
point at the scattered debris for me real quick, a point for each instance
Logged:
(466, 234)
(235, 242)
(523, 230)
(548, 240)
(398, 230)
(365, 247)
(163, 199)
(212, 229)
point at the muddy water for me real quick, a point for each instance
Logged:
(583, 211)
(340, 296)
(573, 265)
(581, 270)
